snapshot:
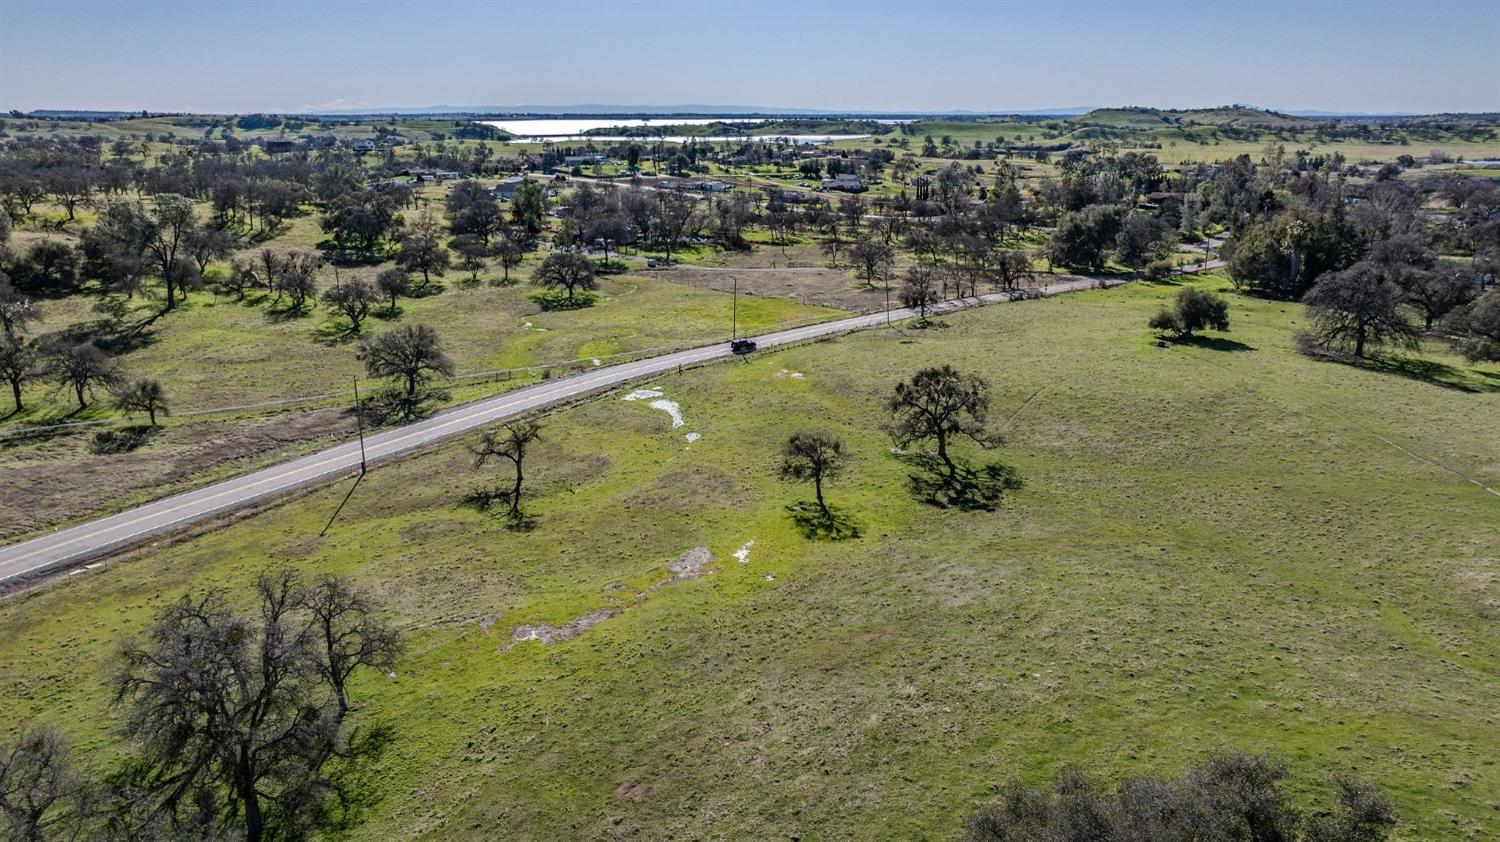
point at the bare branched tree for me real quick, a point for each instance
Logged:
(509, 443)
(236, 717)
(41, 797)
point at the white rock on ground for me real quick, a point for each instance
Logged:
(743, 553)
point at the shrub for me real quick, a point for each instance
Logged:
(1158, 269)
(1193, 310)
(1230, 796)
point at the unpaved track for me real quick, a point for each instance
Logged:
(77, 544)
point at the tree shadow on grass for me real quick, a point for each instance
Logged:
(967, 488)
(123, 440)
(114, 334)
(427, 290)
(264, 234)
(396, 407)
(335, 332)
(356, 781)
(836, 525)
(1214, 343)
(287, 313)
(486, 499)
(555, 301)
(1416, 368)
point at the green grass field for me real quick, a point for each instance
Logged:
(217, 351)
(1217, 545)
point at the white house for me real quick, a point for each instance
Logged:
(844, 181)
(506, 189)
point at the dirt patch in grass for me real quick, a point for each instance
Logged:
(690, 564)
(558, 634)
(433, 530)
(689, 490)
(633, 790)
(821, 286)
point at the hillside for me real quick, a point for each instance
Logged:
(1151, 118)
(1216, 544)
(1244, 118)
(1125, 118)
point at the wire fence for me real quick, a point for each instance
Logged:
(546, 369)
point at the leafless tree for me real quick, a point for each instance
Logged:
(351, 299)
(299, 278)
(509, 254)
(919, 291)
(509, 443)
(1479, 326)
(236, 717)
(142, 395)
(411, 353)
(473, 254)
(422, 249)
(17, 309)
(81, 367)
(19, 365)
(349, 634)
(42, 798)
(1356, 308)
(205, 244)
(873, 259)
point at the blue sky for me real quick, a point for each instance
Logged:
(241, 57)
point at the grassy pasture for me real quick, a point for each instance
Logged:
(1217, 544)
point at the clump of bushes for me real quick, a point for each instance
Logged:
(1231, 796)
(1158, 270)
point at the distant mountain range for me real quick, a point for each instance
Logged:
(704, 109)
(701, 110)
(591, 109)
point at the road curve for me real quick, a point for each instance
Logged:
(75, 545)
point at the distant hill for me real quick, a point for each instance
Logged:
(1241, 117)
(1124, 118)
(1237, 116)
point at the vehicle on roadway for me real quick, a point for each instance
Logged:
(742, 346)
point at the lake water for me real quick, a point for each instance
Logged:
(572, 128)
(569, 129)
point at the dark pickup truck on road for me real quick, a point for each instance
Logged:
(742, 346)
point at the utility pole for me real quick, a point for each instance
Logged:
(359, 418)
(734, 311)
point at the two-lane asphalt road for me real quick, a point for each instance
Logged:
(76, 544)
